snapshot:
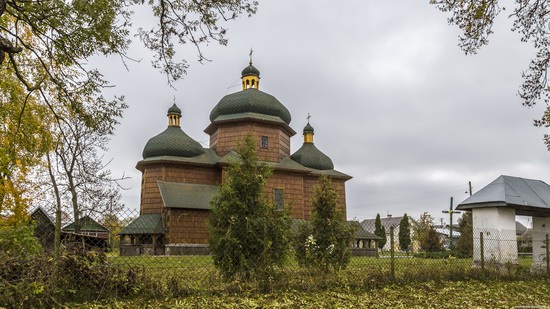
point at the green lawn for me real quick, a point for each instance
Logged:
(197, 274)
(205, 262)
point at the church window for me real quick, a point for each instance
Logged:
(265, 142)
(278, 198)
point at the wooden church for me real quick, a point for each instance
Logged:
(179, 176)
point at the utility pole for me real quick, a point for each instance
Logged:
(470, 187)
(451, 212)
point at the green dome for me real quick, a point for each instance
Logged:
(250, 70)
(174, 110)
(308, 128)
(172, 142)
(309, 156)
(250, 101)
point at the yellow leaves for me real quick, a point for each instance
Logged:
(13, 204)
(479, 11)
(24, 137)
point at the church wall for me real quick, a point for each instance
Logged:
(309, 185)
(191, 174)
(293, 185)
(284, 141)
(341, 189)
(187, 226)
(228, 137)
(151, 201)
(310, 182)
(214, 141)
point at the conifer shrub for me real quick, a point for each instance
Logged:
(404, 233)
(250, 237)
(380, 231)
(325, 242)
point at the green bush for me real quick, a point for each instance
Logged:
(249, 237)
(465, 243)
(42, 281)
(19, 241)
(325, 242)
(303, 243)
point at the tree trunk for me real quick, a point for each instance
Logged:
(74, 202)
(57, 236)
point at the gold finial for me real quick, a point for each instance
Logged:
(251, 51)
(308, 131)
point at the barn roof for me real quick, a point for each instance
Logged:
(527, 196)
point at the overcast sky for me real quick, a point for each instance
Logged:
(394, 102)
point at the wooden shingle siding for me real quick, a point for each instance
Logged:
(151, 201)
(292, 184)
(228, 137)
(187, 226)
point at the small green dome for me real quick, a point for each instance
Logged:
(309, 156)
(172, 142)
(250, 70)
(174, 110)
(308, 128)
(250, 101)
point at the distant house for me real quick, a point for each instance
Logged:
(520, 228)
(387, 222)
(44, 229)
(445, 235)
(88, 232)
(365, 243)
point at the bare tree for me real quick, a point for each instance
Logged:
(78, 178)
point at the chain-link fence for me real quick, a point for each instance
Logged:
(140, 246)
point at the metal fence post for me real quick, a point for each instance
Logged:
(392, 253)
(482, 257)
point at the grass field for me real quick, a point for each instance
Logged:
(206, 262)
(431, 294)
(186, 275)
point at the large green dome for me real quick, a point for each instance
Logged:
(309, 156)
(250, 101)
(172, 142)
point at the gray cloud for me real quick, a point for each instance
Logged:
(394, 102)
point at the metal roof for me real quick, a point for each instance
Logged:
(527, 196)
(87, 224)
(144, 224)
(186, 195)
(360, 232)
(287, 164)
(369, 224)
(447, 232)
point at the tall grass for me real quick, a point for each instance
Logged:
(183, 275)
